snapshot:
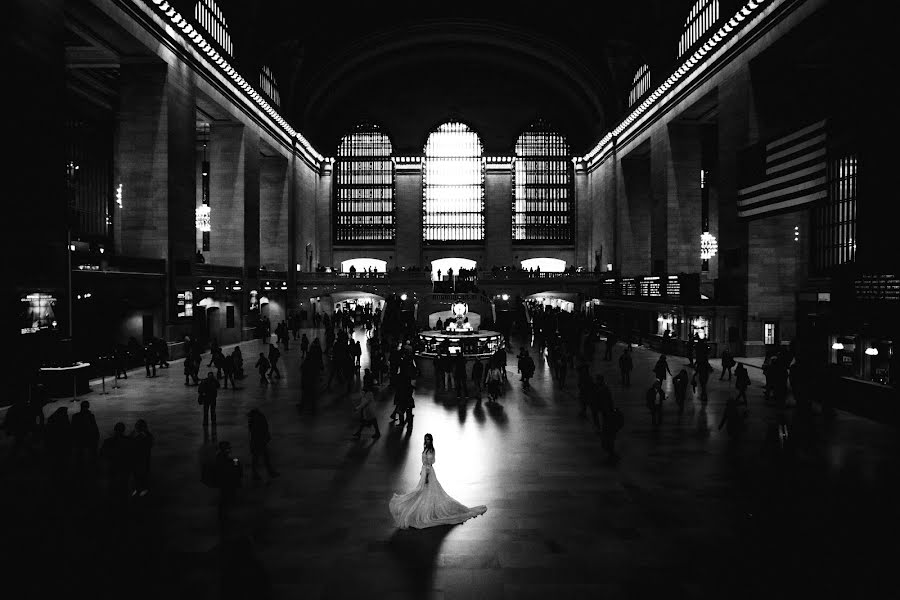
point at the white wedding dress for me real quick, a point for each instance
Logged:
(429, 505)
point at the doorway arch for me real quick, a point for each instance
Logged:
(443, 264)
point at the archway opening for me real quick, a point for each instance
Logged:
(545, 265)
(445, 264)
(362, 265)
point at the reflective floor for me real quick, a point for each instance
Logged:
(684, 514)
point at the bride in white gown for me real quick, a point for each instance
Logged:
(429, 505)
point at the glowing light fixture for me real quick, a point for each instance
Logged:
(708, 245)
(837, 346)
(119, 195)
(403, 297)
(505, 297)
(871, 351)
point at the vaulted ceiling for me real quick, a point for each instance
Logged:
(496, 65)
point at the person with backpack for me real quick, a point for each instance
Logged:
(742, 382)
(207, 392)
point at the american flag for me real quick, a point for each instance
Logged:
(794, 174)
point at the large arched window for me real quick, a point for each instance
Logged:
(702, 17)
(639, 85)
(542, 203)
(268, 86)
(209, 16)
(364, 188)
(453, 204)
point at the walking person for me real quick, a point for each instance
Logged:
(654, 399)
(460, 375)
(600, 401)
(680, 383)
(304, 346)
(262, 365)
(742, 382)
(216, 359)
(141, 446)
(121, 362)
(366, 414)
(85, 435)
(626, 364)
(207, 393)
(733, 418)
(228, 370)
(585, 388)
(116, 451)
(701, 376)
(727, 364)
(477, 377)
(526, 366)
(58, 441)
(357, 353)
(150, 359)
(613, 420)
(661, 368)
(259, 443)
(274, 355)
(190, 369)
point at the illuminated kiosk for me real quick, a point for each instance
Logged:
(459, 338)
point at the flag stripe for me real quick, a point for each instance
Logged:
(795, 173)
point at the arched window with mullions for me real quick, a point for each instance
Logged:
(542, 189)
(453, 199)
(209, 16)
(364, 189)
(704, 14)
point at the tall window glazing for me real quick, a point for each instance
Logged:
(453, 199)
(639, 85)
(834, 221)
(364, 190)
(542, 203)
(209, 16)
(703, 15)
(268, 86)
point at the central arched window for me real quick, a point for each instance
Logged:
(364, 190)
(210, 17)
(453, 202)
(704, 14)
(542, 203)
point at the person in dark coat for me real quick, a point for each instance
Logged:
(58, 440)
(116, 451)
(216, 359)
(460, 376)
(304, 346)
(680, 383)
(162, 352)
(207, 393)
(141, 446)
(228, 475)
(742, 382)
(120, 360)
(274, 355)
(600, 401)
(661, 368)
(259, 443)
(733, 418)
(262, 366)
(478, 377)
(85, 435)
(228, 370)
(526, 367)
(626, 364)
(728, 363)
(701, 376)
(654, 398)
(190, 369)
(150, 359)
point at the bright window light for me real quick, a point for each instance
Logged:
(546, 265)
(454, 185)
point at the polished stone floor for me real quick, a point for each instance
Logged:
(684, 514)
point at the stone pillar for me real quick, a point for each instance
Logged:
(634, 216)
(234, 196)
(273, 213)
(584, 217)
(677, 177)
(321, 215)
(155, 165)
(498, 248)
(408, 190)
(306, 197)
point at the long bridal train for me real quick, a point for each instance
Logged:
(428, 505)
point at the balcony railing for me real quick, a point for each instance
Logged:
(525, 276)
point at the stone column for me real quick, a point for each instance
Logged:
(676, 170)
(584, 217)
(634, 216)
(408, 194)
(234, 196)
(498, 247)
(273, 213)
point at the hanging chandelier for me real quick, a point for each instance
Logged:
(708, 245)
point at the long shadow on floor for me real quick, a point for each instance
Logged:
(417, 552)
